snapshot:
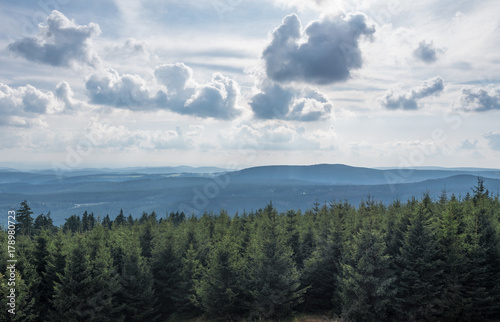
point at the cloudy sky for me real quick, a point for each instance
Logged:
(236, 83)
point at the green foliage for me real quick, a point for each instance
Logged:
(367, 279)
(274, 278)
(419, 260)
(419, 270)
(220, 290)
(24, 220)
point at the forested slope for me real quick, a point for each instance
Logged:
(409, 261)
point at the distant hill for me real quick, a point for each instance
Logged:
(343, 174)
(136, 190)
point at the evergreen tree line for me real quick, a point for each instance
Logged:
(420, 260)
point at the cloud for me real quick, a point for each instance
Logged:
(19, 105)
(59, 42)
(179, 92)
(287, 103)
(326, 52)
(425, 52)
(126, 91)
(480, 99)
(64, 94)
(268, 135)
(468, 144)
(493, 140)
(120, 138)
(397, 98)
(131, 48)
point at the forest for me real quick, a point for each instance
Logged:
(421, 259)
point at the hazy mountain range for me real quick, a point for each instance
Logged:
(196, 190)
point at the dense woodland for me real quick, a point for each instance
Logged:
(415, 260)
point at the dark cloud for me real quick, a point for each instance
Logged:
(287, 103)
(59, 42)
(426, 52)
(179, 93)
(328, 55)
(493, 140)
(479, 99)
(397, 98)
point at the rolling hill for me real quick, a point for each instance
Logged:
(135, 190)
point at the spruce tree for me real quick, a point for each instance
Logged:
(220, 290)
(120, 219)
(41, 259)
(86, 288)
(56, 263)
(452, 254)
(166, 269)
(24, 220)
(187, 306)
(418, 271)
(274, 279)
(367, 279)
(135, 295)
(482, 265)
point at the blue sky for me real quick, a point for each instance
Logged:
(235, 83)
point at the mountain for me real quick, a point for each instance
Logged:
(342, 174)
(135, 190)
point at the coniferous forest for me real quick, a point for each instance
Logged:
(414, 260)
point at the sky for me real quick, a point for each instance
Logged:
(234, 83)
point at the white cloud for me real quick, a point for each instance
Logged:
(468, 144)
(108, 87)
(325, 53)
(112, 137)
(493, 140)
(19, 105)
(398, 98)
(478, 99)
(268, 135)
(178, 92)
(131, 48)
(60, 42)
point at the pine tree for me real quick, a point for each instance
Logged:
(72, 224)
(25, 301)
(86, 289)
(120, 219)
(24, 220)
(452, 254)
(166, 269)
(366, 280)
(220, 289)
(136, 295)
(185, 295)
(482, 265)
(56, 263)
(107, 222)
(418, 271)
(274, 279)
(146, 241)
(44, 222)
(41, 258)
(321, 270)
